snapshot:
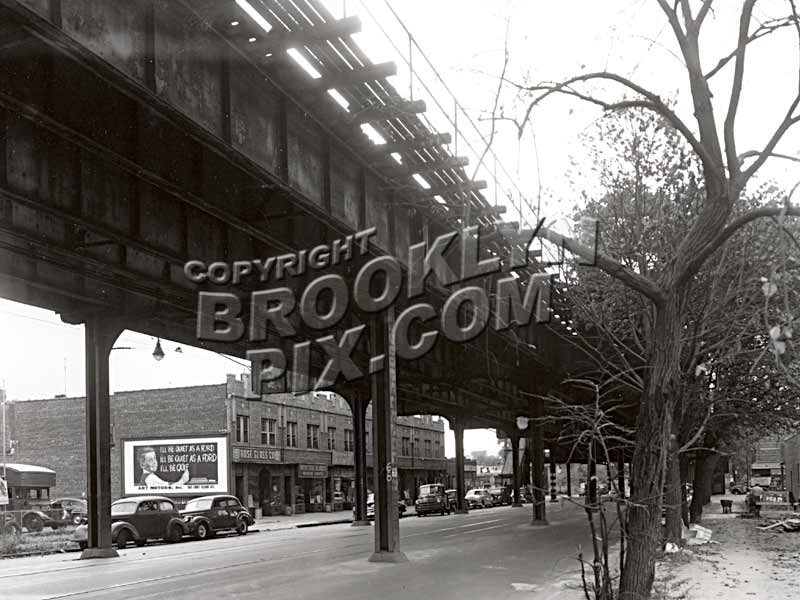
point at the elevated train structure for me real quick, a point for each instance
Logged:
(139, 135)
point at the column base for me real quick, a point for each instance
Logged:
(99, 553)
(388, 557)
(539, 523)
(517, 505)
(361, 523)
(461, 511)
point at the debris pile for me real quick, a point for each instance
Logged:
(788, 525)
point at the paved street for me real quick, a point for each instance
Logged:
(490, 553)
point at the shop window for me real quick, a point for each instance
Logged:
(331, 438)
(268, 432)
(291, 434)
(406, 450)
(427, 448)
(242, 429)
(312, 436)
(349, 446)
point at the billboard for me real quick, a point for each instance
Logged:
(175, 466)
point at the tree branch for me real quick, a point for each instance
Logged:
(633, 280)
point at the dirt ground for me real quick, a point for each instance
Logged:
(741, 563)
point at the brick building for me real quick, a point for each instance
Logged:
(287, 452)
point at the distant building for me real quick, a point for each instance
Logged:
(287, 451)
(470, 470)
(766, 466)
(790, 452)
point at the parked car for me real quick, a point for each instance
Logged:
(401, 507)
(72, 510)
(138, 520)
(501, 497)
(207, 515)
(479, 499)
(433, 499)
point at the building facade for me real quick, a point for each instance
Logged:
(289, 454)
(790, 450)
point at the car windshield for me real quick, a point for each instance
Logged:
(429, 489)
(123, 508)
(199, 504)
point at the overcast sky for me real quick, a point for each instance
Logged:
(41, 357)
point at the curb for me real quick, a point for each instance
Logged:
(320, 523)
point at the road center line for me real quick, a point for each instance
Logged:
(451, 528)
(474, 530)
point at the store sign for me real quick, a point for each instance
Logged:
(256, 455)
(176, 466)
(312, 471)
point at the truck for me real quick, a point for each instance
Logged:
(29, 506)
(433, 499)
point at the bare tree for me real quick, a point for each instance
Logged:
(725, 172)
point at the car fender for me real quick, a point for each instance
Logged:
(181, 523)
(119, 526)
(193, 522)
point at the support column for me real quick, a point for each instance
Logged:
(100, 335)
(458, 428)
(384, 416)
(569, 479)
(358, 400)
(536, 445)
(515, 468)
(553, 491)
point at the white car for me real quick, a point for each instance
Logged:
(479, 499)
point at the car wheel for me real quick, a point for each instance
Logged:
(76, 519)
(241, 527)
(123, 537)
(83, 545)
(202, 532)
(33, 522)
(174, 534)
(419, 514)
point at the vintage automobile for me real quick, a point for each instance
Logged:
(139, 519)
(207, 515)
(433, 499)
(479, 499)
(28, 505)
(69, 510)
(401, 507)
(500, 497)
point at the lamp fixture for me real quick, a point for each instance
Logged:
(158, 353)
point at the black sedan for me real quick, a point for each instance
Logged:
(207, 515)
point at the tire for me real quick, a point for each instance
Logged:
(33, 522)
(241, 527)
(174, 534)
(203, 532)
(419, 514)
(83, 545)
(76, 520)
(123, 537)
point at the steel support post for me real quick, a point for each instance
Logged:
(100, 333)
(461, 491)
(569, 479)
(515, 468)
(536, 444)
(384, 415)
(359, 400)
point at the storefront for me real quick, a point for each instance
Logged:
(312, 481)
(259, 478)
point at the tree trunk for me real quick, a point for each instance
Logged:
(653, 424)
(683, 465)
(674, 498)
(704, 467)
